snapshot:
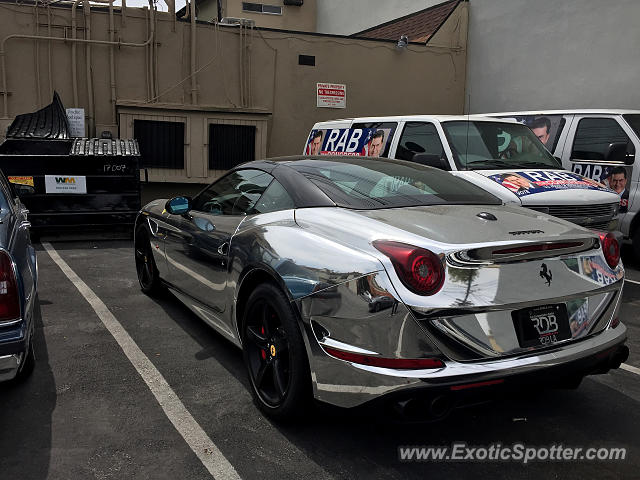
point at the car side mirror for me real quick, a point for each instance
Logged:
(431, 160)
(23, 190)
(178, 205)
(616, 152)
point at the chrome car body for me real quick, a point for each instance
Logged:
(348, 296)
(18, 286)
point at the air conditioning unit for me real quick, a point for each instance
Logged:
(245, 22)
(294, 3)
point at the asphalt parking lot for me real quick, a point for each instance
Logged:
(87, 413)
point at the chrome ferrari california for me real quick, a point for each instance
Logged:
(350, 280)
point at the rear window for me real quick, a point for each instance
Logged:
(371, 184)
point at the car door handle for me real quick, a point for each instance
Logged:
(224, 248)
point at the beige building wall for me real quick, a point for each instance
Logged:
(242, 76)
(300, 19)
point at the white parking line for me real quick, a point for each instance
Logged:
(630, 368)
(210, 456)
(632, 281)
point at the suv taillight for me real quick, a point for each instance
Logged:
(610, 248)
(419, 269)
(9, 299)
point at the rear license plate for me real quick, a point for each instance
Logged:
(542, 325)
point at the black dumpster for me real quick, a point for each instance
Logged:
(78, 182)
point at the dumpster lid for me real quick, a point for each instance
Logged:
(49, 122)
(116, 147)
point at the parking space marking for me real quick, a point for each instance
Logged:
(630, 368)
(632, 281)
(197, 439)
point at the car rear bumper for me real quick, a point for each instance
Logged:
(13, 344)
(347, 384)
(9, 366)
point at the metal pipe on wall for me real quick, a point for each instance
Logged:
(74, 41)
(150, 69)
(240, 66)
(146, 55)
(74, 66)
(172, 11)
(49, 54)
(37, 55)
(86, 7)
(194, 83)
(155, 56)
(112, 64)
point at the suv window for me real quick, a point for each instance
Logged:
(380, 125)
(593, 137)
(419, 137)
(234, 194)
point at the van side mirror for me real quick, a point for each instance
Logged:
(431, 160)
(178, 205)
(23, 190)
(616, 152)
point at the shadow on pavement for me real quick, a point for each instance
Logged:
(25, 417)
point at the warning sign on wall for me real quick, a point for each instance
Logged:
(76, 122)
(331, 95)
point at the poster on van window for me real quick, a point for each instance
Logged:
(369, 142)
(615, 177)
(530, 182)
(546, 127)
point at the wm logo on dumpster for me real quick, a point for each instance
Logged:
(65, 180)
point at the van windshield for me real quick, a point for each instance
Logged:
(496, 145)
(634, 121)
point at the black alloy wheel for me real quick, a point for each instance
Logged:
(145, 264)
(275, 355)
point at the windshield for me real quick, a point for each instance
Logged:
(491, 145)
(634, 122)
(370, 184)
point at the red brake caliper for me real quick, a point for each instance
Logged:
(263, 353)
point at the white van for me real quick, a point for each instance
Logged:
(503, 157)
(599, 144)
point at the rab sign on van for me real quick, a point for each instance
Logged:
(346, 141)
(529, 182)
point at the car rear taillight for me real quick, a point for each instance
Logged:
(373, 361)
(9, 300)
(610, 248)
(419, 269)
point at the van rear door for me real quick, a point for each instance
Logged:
(601, 147)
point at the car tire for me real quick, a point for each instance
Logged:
(275, 355)
(148, 275)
